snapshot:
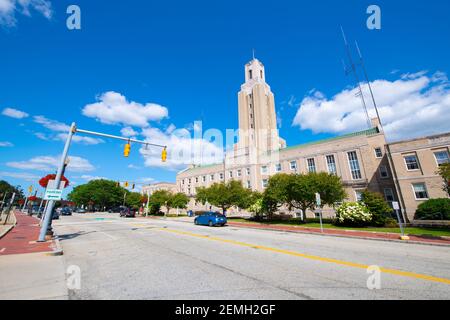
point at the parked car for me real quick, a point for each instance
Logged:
(116, 209)
(56, 214)
(79, 210)
(128, 213)
(66, 211)
(211, 219)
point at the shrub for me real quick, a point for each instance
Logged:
(353, 214)
(434, 209)
(379, 208)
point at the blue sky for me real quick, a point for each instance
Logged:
(188, 57)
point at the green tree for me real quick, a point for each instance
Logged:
(255, 204)
(103, 193)
(8, 189)
(275, 195)
(444, 172)
(159, 199)
(224, 195)
(179, 200)
(377, 206)
(134, 200)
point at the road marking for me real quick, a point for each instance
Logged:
(312, 257)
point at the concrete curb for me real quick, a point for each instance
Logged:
(345, 236)
(329, 235)
(5, 232)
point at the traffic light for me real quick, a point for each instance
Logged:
(132, 187)
(30, 189)
(126, 151)
(117, 184)
(164, 155)
(126, 184)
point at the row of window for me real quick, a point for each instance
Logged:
(331, 166)
(412, 162)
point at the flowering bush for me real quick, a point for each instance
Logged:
(354, 214)
(44, 181)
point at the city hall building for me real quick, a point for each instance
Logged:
(359, 158)
(403, 171)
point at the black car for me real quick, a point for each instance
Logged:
(66, 211)
(116, 209)
(128, 213)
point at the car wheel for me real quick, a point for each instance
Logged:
(195, 222)
(210, 223)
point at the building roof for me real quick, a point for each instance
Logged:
(367, 132)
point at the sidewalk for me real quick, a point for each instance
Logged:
(27, 273)
(22, 238)
(370, 235)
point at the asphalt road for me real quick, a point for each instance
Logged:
(141, 258)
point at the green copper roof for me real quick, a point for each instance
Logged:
(367, 132)
(201, 167)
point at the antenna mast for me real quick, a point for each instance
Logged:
(368, 83)
(358, 83)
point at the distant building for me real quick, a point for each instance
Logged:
(151, 188)
(415, 164)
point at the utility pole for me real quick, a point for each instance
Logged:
(355, 74)
(9, 208)
(368, 83)
(3, 201)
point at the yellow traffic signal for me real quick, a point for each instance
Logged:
(126, 151)
(117, 184)
(164, 155)
(30, 189)
(126, 184)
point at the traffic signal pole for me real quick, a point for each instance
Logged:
(73, 130)
(49, 211)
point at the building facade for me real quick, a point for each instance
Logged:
(415, 163)
(359, 158)
(151, 188)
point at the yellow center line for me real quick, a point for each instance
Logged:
(312, 257)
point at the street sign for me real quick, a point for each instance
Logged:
(53, 194)
(395, 205)
(318, 200)
(52, 184)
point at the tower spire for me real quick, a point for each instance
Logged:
(253, 51)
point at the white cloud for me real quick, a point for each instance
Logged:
(79, 139)
(14, 113)
(128, 132)
(21, 175)
(114, 108)
(90, 178)
(63, 128)
(182, 149)
(9, 8)
(50, 164)
(6, 144)
(414, 105)
(132, 166)
(52, 125)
